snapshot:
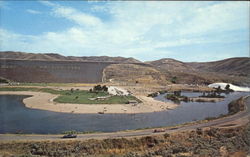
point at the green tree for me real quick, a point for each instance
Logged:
(227, 87)
(105, 88)
(174, 79)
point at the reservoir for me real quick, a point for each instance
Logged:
(16, 118)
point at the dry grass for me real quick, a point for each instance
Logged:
(207, 142)
(134, 74)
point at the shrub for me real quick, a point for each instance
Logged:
(166, 135)
(199, 131)
(153, 94)
(99, 88)
(174, 79)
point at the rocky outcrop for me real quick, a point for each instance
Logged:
(236, 106)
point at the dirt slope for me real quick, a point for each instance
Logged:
(135, 74)
(57, 57)
(232, 70)
(238, 66)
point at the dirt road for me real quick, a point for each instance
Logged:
(237, 119)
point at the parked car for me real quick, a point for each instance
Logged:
(70, 136)
(159, 130)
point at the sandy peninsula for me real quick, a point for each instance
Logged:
(44, 101)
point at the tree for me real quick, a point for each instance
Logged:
(218, 90)
(97, 88)
(105, 88)
(177, 93)
(227, 87)
(174, 79)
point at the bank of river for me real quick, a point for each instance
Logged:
(15, 117)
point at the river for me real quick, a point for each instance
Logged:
(16, 118)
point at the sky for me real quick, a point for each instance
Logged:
(145, 30)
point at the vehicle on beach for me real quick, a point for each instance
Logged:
(159, 130)
(70, 136)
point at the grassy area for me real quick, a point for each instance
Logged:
(76, 96)
(54, 84)
(33, 89)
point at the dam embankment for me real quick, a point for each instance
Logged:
(41, 71)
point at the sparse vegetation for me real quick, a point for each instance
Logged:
(227, 90)
(174, 79)
(213, 94)
(199, 142)
(176, 97)
(236, 106)
(99, 88)
(155, 94)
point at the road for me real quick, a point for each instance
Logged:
(236, 119)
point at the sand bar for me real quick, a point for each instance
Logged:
(44, 101)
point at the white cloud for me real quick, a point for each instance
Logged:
(33, 11)
(137, 29)
(70, 13)
(78, 17)
(98, 8)
(219, 17)
(47, 3)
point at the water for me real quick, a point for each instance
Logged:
(16, 118)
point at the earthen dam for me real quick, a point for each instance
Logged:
(41, 71)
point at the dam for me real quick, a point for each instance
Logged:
(40, 71)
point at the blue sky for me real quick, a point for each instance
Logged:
(149, 30)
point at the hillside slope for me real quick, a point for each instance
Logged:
(166, 70)
(133, 74)
(57, 57)
(233, 70)
(171, 65)
(237, 66)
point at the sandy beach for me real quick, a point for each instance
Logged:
(44, 101)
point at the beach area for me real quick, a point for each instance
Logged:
(44, 101)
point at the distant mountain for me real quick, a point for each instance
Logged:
(239, 66)
(234, 70)
(171, 65)
(57, 57)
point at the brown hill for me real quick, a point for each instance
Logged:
(57, 57)
(171, 65)
(133, 74)
(233, 66)
(234, 70)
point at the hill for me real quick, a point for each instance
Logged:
(233, 66)
(171, 65)
(133, 74)
(233, 70)
(163, 71)
(57, 57)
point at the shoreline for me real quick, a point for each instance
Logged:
(44, 101)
